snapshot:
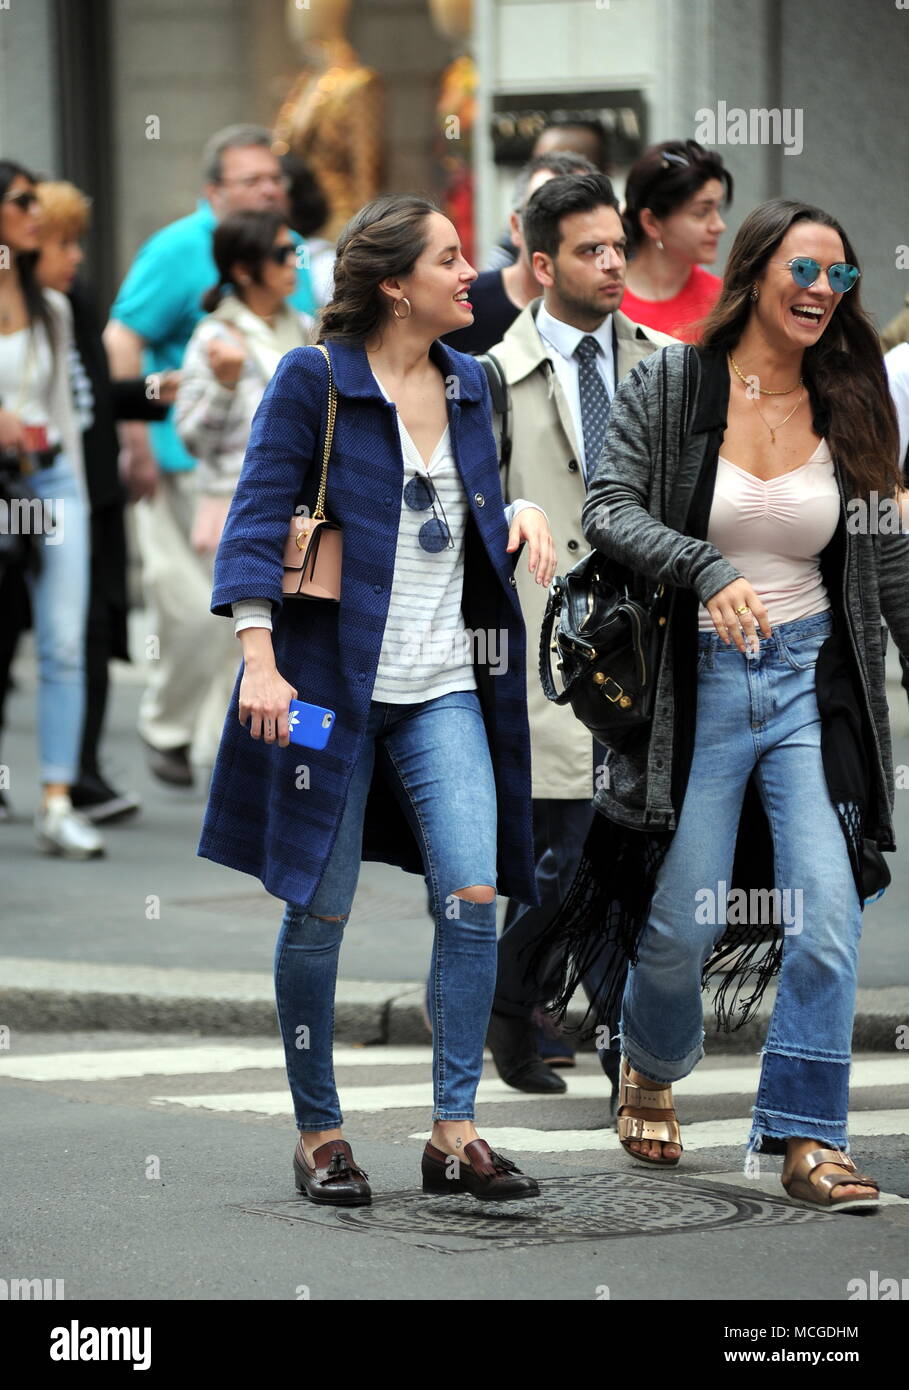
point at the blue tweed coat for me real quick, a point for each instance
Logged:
(257, 819)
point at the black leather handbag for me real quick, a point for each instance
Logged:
(609, 642)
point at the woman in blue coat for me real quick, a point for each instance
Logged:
(422, 661)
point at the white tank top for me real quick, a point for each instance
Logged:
(774, 532)
(26, 377)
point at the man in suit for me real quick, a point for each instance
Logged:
(498, 296)
(561, 360)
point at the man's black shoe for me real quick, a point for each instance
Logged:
(170, 765)
(514, 1051)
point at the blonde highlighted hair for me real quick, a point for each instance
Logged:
(65, 209)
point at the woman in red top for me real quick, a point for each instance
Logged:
(673, 199)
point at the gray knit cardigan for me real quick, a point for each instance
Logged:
(648, 508)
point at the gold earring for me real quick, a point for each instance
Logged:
(754, 294)
(402, 300)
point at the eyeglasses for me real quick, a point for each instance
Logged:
(254, 180)
(805, 271)
(419, 494)
(23, 200)
(281, 254)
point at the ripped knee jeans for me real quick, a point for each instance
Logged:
(436, 758)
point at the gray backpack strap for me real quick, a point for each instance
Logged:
(501, 404)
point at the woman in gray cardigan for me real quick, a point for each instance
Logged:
(753, 476)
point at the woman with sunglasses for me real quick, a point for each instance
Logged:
(674, 197)
(41, 457)
(741, 475)
(232, 355)
(422, 663)
(228, 363)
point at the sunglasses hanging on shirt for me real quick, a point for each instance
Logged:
(420, 494)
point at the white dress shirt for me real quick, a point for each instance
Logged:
(560, 339)
(897, 363)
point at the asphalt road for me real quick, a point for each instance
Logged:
(149, 1181)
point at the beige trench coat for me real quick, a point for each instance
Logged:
(545, 467)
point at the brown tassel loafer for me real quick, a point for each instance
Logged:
(486, 1174)
(334, 1179)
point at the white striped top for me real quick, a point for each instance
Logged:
(426, 649)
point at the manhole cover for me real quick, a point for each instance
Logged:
(591, 1206)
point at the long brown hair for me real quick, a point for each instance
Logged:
(382, 240)
(844, 369)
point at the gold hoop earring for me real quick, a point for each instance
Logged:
(402, 300)
(755, 295)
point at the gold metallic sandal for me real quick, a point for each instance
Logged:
(650, 1118)
(818, 1191)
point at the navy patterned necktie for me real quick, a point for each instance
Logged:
(594, 402)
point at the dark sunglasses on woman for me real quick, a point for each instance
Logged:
(23, 200)
(282, 254)
(419, 494)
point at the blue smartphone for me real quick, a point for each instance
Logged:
(310, 725)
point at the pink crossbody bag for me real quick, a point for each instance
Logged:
(312, 552)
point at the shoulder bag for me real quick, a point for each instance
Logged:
(312, 553)
(609, 644)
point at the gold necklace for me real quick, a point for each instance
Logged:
(764, 390)
(773, 428)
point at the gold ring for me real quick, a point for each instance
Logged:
(744, 609)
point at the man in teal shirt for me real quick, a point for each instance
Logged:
(151, 321)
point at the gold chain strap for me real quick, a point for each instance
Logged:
(319, 513)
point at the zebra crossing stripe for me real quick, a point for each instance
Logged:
(206, 1059)
(706, 1134)
(223, 1058)
(371, 1100)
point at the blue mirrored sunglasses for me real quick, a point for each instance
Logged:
(805, 270)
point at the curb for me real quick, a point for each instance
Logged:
(53, 996)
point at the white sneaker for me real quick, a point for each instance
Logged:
(61, 830)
